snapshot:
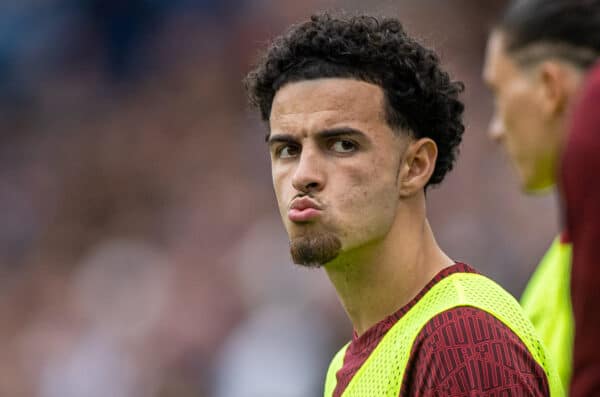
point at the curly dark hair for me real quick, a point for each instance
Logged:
(420, 97)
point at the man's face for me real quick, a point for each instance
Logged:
(335, 164)
(518, 122)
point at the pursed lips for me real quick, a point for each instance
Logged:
(303, 209)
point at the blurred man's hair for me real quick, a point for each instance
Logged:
(536, 30)
(420, 97)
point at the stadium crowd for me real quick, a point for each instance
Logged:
(141, 252)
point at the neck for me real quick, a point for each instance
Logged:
(376, 280)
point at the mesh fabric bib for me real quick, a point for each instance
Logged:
(546, 301)
(382, 373)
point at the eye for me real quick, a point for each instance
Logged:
(287, 151)
(344, 146)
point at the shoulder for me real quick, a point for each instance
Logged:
(584, 114)
(590, 91)
(465, 349)
(594, 77)
(580, 162)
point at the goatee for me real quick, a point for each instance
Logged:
(315, 250)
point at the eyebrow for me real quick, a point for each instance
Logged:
(328, 133)
(285, 138)
(341, 131)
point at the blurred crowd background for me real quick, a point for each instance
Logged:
(141, 252)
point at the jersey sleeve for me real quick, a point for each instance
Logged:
(579, 180)
(466, 351)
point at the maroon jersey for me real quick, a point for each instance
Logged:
(463, 351)
(580, 183)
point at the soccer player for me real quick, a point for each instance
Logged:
(361, 120)
(536, 59)
(579, 176)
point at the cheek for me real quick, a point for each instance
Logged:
(369, 196)
(507, 108)
(522, 123)
(512, 114)
(279, 178)
(519, 108)
(364, 181)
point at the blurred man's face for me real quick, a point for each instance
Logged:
(518, 122)
(335, 164)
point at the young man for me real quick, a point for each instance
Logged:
(536, 60)
(362, 120)
(580, 168)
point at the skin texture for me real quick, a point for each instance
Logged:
(329, 142)
(530, 111)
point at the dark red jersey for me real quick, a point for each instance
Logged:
(580, 184)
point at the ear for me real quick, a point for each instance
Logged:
(417, 167)
(553, 88)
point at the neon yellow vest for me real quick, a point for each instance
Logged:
(382, 373)
(547, 302)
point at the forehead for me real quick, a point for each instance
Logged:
(498, 64)
(325, 103)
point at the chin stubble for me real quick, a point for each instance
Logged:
(315, 250)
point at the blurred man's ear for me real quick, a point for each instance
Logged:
(554, 79)
(417, 166)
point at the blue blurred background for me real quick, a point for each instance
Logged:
(141, 253)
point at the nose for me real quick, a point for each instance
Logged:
(309, 175)
(496, 128)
